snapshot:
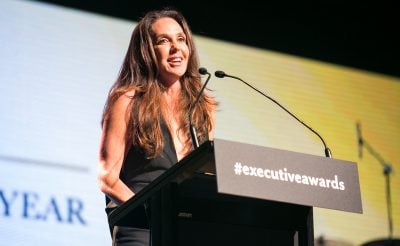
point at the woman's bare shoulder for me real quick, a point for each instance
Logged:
(125, 98)
(123, 102)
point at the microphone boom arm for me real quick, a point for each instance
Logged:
(192, 129)
(387, 170)
(328, 153)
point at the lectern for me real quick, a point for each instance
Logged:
(230, 193)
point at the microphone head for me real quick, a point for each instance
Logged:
(203, 71)
(220, 74)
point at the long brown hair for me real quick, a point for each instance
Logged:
(139, 72)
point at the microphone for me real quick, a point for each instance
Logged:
(192, 129)
(360, 140)
(221, 74)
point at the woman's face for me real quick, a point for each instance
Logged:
(171, 49)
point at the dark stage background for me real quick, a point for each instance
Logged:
(359, 34)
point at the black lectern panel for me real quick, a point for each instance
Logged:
(206, 217)
(186, 209)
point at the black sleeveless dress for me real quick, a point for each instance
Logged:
(137, 172)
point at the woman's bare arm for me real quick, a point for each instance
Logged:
(112, 151)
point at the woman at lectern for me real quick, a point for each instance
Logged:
(145, 126)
